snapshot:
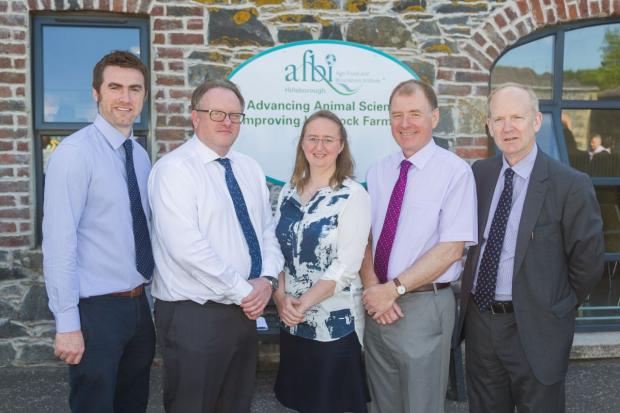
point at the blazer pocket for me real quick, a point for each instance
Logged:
(563, 307)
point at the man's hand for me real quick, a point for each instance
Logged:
(288, 309)
(379, 298)
(69, 347)
(390, 316)
(254, 303)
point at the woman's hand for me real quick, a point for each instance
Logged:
(288, 308)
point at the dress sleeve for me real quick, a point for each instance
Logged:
(353, 228)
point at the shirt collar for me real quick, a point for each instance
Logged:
(421, 157)
(206, 154)
(114, 137)
(524, 167)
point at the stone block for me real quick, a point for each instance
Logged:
(356, 6)
(237, 28)
(7, 273)
(425, 70)
(471, 116)
(409, 5)
(11, 329)
(200, 72)
(429, 28)
(30, 259)
(379, 31)
(34, 306)
(37, 352)
(6, 310)
(289, 36)
(440, 46)
(446, 121)
(7, 353)
(320, 4)
(331, 32)
(462, 8)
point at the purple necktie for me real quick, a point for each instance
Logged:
(388, 232)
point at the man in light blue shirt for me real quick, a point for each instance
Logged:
(96, 246)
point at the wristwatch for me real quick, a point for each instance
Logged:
(273, 281)
(400, 289)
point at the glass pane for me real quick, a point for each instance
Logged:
(530, 64)
(592, 63)
(49, 144)
(602, 306)
(545, 138)
(593, 140)
(69, 55)
(609, 200)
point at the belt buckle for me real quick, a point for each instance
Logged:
(498, 306)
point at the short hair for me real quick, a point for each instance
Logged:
(344, 161)
(120, 58)
(409, 87)
(207, 85)
(527, 89)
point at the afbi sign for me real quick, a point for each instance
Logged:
(284, 85)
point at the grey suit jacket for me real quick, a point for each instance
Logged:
(558, 259)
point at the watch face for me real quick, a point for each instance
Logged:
(401, 289)
(274, 282)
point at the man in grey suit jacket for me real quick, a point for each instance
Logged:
(540, 253)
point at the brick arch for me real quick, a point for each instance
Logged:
(515, 20)
(116, 6)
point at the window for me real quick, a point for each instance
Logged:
(575, 70)
(65, 50)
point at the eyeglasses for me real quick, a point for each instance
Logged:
(315, 140)
(219, 116)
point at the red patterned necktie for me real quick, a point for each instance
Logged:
(388, 232)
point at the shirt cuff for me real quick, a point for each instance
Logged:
(68, 322)
(336, 272)
(240, 291)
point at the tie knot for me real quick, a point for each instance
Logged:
(404, 166)
(508, 174)
(128, 145)
(225, 162)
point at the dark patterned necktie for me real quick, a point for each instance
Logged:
(142, 241)
(390, 223)
(487, 273)
(244, 218)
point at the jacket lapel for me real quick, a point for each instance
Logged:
(534, 198)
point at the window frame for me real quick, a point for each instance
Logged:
(40, 126)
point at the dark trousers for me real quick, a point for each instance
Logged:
(113, 375)
(210, 353)
(499, 377)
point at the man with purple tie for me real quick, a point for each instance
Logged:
(423, 213)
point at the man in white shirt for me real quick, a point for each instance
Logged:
(217, 259)
(423, 212)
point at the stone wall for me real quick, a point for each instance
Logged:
(450, 43)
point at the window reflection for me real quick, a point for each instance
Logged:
(545, 138)
(69, 55)
(593, 141)
(609, 200)
(592, 63)
(530, 64)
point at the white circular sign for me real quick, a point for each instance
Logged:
(284, 85)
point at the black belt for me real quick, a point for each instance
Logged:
(502, 307)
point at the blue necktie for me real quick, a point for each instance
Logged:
(487, 273)
(142, 241)
(244, 218)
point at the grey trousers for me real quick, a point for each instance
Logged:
(499, 377)
(408, 361)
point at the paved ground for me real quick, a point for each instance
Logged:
(592, 387)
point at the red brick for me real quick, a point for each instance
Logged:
(23, 172)
(522, 6)
(499, 19)
(21, 241)
(572, 12)
(170, 52)
(8, 159)
(182, 11)
(12, 48)
(5, 34)
(117, 6)
(159, 95)
(158, 65)
(182, 38)
(550, 17)
(20, 35)
(167, 134)
(521, 29)
(159, 38)
(4, 172)
(23, 147)
(176, 66)
(18, 7)
(594, 9)
(132, 6)
(24, 200)
(606, 7)
(583, 8)
(454, 90)
(23, 213)
(13, 20)
(510, 35)
(195, 24)
(104, 4)
(169, 107)
(6, 146)
(510, 14)
(472, 153)
(537, 12)
(484, 61)
(180, 94)
(20, 91)
(22, 120)
(170, 81)
(560, 6)
(182, 121)
(492, 52)
(33, 4)
(478, 38)
(472, 77)
(481, 91)
(161, 121)
(157, 11)
(88, 4)
(8, 227)
(6, 63)
(6, 119)
(167, 24)
(12, 106)
(443, 74)
(20, 63)
(47, 5)
(24, 227)
(7, 200)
